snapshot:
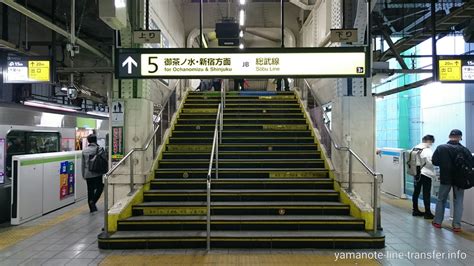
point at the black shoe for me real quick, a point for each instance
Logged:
(418, 213)
(429, 216)
(92, 207)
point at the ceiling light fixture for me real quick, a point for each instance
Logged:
(242, 17)
(52, 106)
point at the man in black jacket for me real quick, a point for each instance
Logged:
(444, 157)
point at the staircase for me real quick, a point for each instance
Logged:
(273, 190)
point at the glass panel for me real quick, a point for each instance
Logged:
(15, 146)
(42, 142)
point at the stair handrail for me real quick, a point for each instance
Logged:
(377, 177)
(150, 140)
(212, 159)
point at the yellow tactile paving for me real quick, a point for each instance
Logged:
(12, 235)
(467, 233)
(231, 259)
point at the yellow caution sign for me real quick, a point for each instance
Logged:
(450, 70)
(39, 70)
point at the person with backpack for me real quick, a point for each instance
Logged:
(94, 165)
(423, 172)
(455, 163)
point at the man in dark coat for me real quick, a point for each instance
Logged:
(444, 157)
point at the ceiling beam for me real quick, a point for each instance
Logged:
(28, 13)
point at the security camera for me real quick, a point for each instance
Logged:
(72, 92)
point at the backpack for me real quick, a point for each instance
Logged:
(465, 172)
(98, 162)
(413, 167)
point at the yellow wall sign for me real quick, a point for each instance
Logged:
(39, 70)
(450, 70)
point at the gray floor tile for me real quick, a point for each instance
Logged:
(33, 262)
(11, 262)
(88, 255)
(56, 247)
(23, 254)
(56, 262)
(46, 254)
(70, 254)
(77, 246)
(79, 262)
(96, 261)
(39, 247)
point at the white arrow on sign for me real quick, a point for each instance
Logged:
(129, 62)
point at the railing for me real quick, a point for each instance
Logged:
(154, 140)
(328, 139)
(213, 159)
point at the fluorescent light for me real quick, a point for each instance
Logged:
(102, 114)
(241, 46)
(120, 3)
(241, 34)
(242, 17)
(242, 2)
(51, 106)
(51, 120)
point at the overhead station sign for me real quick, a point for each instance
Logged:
(456, 69)
(27, 70)
(258, 62)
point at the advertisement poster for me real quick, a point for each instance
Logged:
(117, 144)
(2, 161)
(66, 180)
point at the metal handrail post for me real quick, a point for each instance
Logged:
(376, 209)
(106, 206)
(131, 174)
(213, 156)
(154, 147)
(350, 171)
(208, 219)
(221, 124)
(168, 118)
(217, 156)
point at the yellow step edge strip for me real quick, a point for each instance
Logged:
(236, 194)
(203, 239)
(253, 207)
(155, 182)
(240, 222)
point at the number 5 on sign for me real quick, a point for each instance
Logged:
(150, 64)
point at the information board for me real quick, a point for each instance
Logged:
(456, 69)
(27, 70)
(254, 62)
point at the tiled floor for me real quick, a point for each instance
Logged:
(74, 242)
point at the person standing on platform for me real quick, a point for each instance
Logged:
(447, 157)
(217, 84)
(420, 159)
(287, 84)
(93, 173)
(239, 84)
